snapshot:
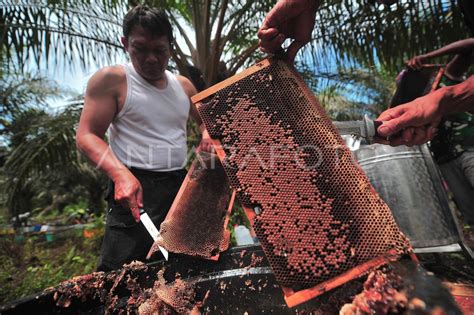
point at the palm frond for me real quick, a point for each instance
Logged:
(61, 31)
(48, 144)
(350, 93)
(352, 32)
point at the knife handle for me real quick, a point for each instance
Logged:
(377, 124)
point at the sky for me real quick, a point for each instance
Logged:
(74, 79)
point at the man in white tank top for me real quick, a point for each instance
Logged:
(144, 108)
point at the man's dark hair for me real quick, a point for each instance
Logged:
(152, 19)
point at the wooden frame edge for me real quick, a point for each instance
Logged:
(305, 295)
(213, 89)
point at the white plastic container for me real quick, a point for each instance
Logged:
(242, 235)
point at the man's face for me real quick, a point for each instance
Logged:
(149, 54)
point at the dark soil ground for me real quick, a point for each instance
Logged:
(454, 267)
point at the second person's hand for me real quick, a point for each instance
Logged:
(288, 19)
(411, 123)
(417, 62)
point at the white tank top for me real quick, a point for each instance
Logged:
(150, 131)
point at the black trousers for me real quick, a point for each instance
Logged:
(125, 239)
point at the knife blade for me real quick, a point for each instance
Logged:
(355, 130)
(152, 230)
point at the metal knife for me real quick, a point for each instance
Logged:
(151, 228)
(354, 131)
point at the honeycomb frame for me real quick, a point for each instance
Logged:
(204, 194)
(318, 218)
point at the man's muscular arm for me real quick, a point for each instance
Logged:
(101, 104)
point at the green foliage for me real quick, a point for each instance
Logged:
(97, 224)
(42, 166)
(38, 31)
(351, 31)
(21, 92)
(41, 144)
(76, 210)
(34, 266)
(41, 160)
(73, 213)
(193, 139)
(3, 216)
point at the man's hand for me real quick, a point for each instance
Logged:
(417, 62)
(206, 144)
(288, 19)
(128, 192)
(411, 123)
